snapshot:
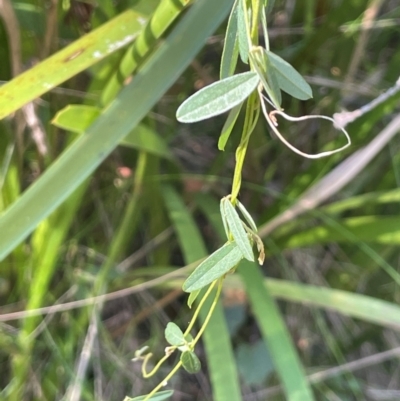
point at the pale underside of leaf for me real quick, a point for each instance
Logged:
(217, 98)
(160, 396)
(214, 267)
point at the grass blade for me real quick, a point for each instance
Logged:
(68, 62)
(276, 335)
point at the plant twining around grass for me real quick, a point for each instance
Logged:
(258, 92)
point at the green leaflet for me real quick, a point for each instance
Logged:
(242, 33)
(217, 98)
(228, 126)
(267, 75)
(190, 362)
(192, 297)
(174, 335)
(231, 46)
(247, 216)
(289, 80)
(236, 228)
(214, 267)
(160, 396)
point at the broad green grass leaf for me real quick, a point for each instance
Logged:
(191, 241)
(190, 362)
(71, 60)
(231, 45)
(290, 81)
(174, 335)
(242, 33)
(276, 335)
(357, 306)
(228, 126)
(217, 98)
(378, 229)
(355, 202)
(163, 14)
(220, 360)
(78, 118)
(162, 395)
(346, 303)
(214, 267)
(89, 150)
(236, 228)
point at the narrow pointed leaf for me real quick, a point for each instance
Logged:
(247, 216)
(290, 81)
(228, 126)
(162, 395)
(231, 46)
(215, 266)
(238, 231)
(242, 33)
(174, 335)
(273, 80)
(192, 297)
(217, 98)
(267, 76)
(190, 362)
(225, 223)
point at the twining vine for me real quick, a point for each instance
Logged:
(258, 92)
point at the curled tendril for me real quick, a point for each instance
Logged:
(272, 122)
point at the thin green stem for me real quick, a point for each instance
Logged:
(210, 312)
(162, 383)
(251, 118)
(155, 369)
(196, 313)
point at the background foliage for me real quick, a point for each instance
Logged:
(104, 204)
